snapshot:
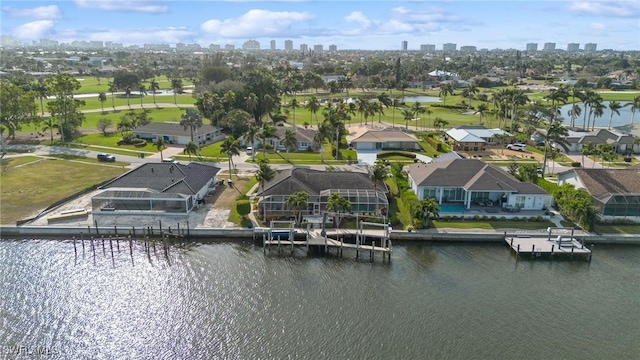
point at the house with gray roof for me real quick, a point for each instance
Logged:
(174, 133)
(469, 181)
(304, 139)
(476, 137)
(620, 142)
(385, 139)
(156, 188)
(614, 192)
(357, 187)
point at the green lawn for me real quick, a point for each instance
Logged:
(619, 229)
(492, 225)
(111, 140)
(90, 84)
(244, 185)
(25, 190)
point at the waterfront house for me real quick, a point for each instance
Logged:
(319, 185)
(620, 142)
(168, 188)
(174, 133)
(615, 192)
(385, 139)
(467, 182)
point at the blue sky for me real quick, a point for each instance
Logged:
(370, 25)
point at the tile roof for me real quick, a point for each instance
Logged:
(313, 181)
(166, 177)
(470, 174)
(385, 136)
(474, 133)
(173, 129)
(302, 134)
(602, 182)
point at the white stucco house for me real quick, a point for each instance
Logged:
(174, 133)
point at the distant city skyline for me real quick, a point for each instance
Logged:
(374, 25)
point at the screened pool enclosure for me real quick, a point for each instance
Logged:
(141, 200)
(362, 202)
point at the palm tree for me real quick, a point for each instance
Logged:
(191, 119)
(574, 112)
(377, 174)
(338, 203)
(471, 89)
(176, 86)
(297, 202)
(251, 103)
(635, 105)
(289, 141)
(395, 104)
(265, 173)
(127, 91)
(319, 137)
(482, 110)
(102, 97)
(267, 131)
(587, 149)
(385, 100)
(556, 133)
(153, 87)
(250, 137)
(112, 90)
(369, 110)
(294, 105)
(160, 146)
(143, 91)
(362, 103)
(191, 149)
(430, 209)
(230, 147)
(575, 93)
(408, 115)
(313, 105)
(445, 90)
(518, 98)
(556, 96)
(615, 107)
(42, 92)
(598, 111)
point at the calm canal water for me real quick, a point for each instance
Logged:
(230, 301)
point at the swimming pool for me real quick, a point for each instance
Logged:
(451, 208)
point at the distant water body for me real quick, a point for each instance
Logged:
(603, 121)
(231, 301)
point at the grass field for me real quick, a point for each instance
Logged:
(32, 187)
(619, 229)
(90, 84)
(243, 185)
(492, 225)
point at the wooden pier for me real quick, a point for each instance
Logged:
(284, 237)
(564, 244)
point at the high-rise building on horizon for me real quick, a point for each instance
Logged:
(449, 47)
(333, 48)
(468, 48)
(427, 48)
(318, 48)
(251, 45)
(532, 47)
(590, 47)
(229, 47)
(288, 45)
(573, 47)
(404, 45)
(304, 48)
(273, 45)
(549, 46)
(214, 47)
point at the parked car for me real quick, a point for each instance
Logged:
(106, 157)
(517, 147)
(169, 160)
(249, 150)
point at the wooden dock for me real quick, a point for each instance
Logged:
(284, 237)
(550, 247)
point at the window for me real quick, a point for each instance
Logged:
(519, 201)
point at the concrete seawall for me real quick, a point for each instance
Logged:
(9, 232)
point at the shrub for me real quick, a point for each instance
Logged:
(386, 154)
(539, 218)
(243, 207)
(434, 143)
(502, 218)
(418, 223)
(454, 218)
(515, 218)
(494, 218)
(575, 164)
(447, 218)
(476, 217)
(485, 218)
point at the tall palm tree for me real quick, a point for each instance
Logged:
(362, 103)
(313, 105)
(176, 86)
(575, 93)
(112, 90)
(635, 105)
(408, 115)
(42, 92)
(351, 110)
(557, 133)
(251, 103)
(395, 104)
(377, 174)
(191, 119)
(379, 108)
(294, 105)
(267, 131)
(250, 137)
(385, 100)
(191, 149)
(127, 91)
(153, 87)
(430, 209)
(264, 174)
(160, 146)
(445, 90)
(230, 147)
(598, 111)
(471, 89)
(289, 141)
(102, 97)
(482, 110)
(518, 98)
(556, 96)
(615, 107)
(319, 138)
(143, 91)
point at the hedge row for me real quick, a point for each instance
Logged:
(385, 154)
(434, 143)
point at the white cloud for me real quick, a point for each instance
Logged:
(41, 12)
(606, 8)
(359, 18)
(122, 5)
(33, 30)
(598, 26)
(256, 23)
